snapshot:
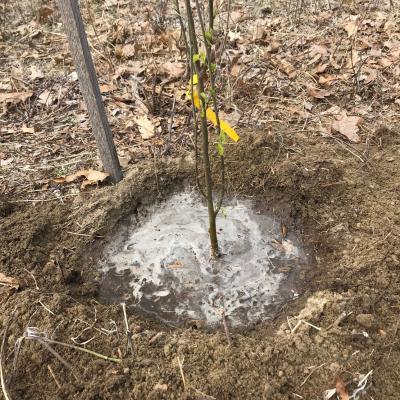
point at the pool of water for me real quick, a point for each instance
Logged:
(160, 260)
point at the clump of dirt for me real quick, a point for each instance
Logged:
(6, 208)
(345, 208)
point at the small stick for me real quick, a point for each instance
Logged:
(226, 329)
(172, 118)
(93, 353)
(180, 363)
(2, 357)
(46, 308)
(34, 334)
(33, 277)
(308, 376)
(305, 322)
(53, 376)
(338, 320)
(128, 332)
(156, 169)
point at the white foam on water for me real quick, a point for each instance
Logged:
(173, 275)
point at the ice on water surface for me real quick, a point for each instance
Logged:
(173, 275)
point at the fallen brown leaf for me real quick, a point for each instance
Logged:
(348, 126)
(318, 93)
(175, 265)
(46, 98)
(36, 73)
(125, 51)
(92, 177)
(351, 26)
(8, 281)
(285, 67)
(341, 390)
(15, 98)
(173, 69)
(25, 129)
(146, 127)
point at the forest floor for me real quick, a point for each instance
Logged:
(314, 94)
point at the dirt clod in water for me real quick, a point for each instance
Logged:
(173, 276)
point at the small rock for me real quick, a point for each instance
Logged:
(126, 371)
(167, 349)
(366, 320)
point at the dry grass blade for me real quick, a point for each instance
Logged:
(4, 387)
(35, 334)
(127, 330)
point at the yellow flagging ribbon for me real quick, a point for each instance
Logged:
(210, 114)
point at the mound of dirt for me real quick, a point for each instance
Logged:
(344, 209)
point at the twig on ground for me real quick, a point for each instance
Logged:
(305, 322)
(53, 376)
(46, 308)
(312, 371)
(180, 363)
(129, 345)
(338, 320)
(4, 386)
(33, 333)
(33, 277)
(171, 118)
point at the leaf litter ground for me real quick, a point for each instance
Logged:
(314, 95)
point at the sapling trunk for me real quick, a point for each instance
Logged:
(212, 215)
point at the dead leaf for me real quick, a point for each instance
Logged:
(232, 118)
(284, 66)
(351, 26)
(8, 281)
(327, 79)
(162, 387)
(15, 98)
(274, 46)
(92, 177)
(146, 127)
(287, 246)
(318, 49)
(307, 105)
(5, 162)
(36, 73)
(46, 98)
(235, 70)
(173, 69)
(382, 333)
(348, 126)
(234, 37)
(175, 265)
(318, 93)
(341, 390)
(125, 51)
(107, 88)
(320, 68)
(25, 129)
(368, 75)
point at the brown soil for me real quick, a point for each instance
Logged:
(347, 210)
(341, 198)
